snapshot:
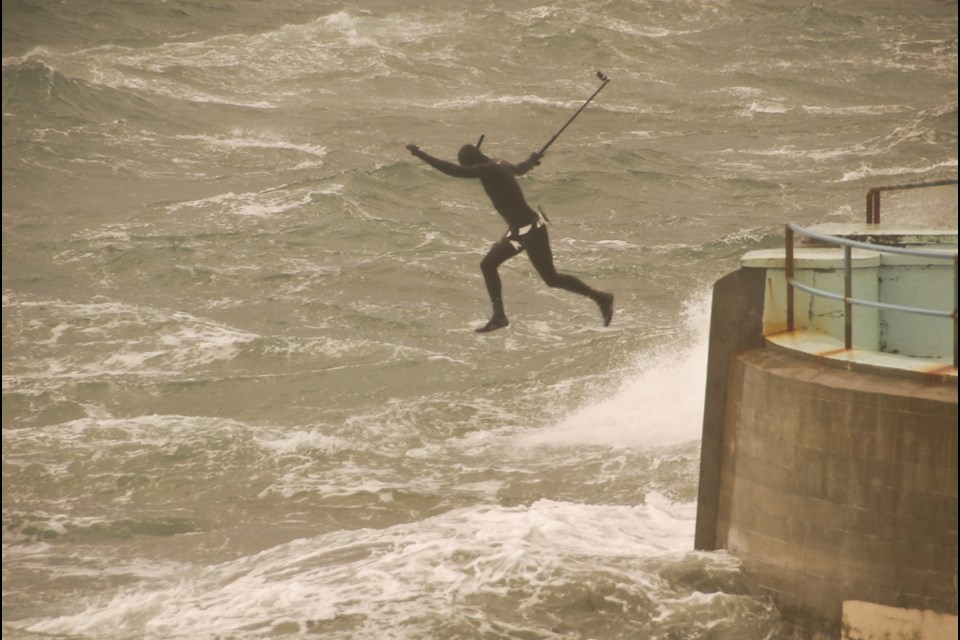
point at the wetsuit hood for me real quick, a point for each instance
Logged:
(469, 154)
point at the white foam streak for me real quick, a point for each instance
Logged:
(263, 204)
(866, 171)
(239, 140)
(132, 347)
(765, 108)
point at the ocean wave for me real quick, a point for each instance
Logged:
(36, 527)
(109, 339)
(539, 557)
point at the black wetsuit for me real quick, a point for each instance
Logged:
(527, 230)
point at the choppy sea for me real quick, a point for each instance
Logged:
(242, 394)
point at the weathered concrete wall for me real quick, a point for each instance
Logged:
(736, 323)
(838, 485)
(868, 621)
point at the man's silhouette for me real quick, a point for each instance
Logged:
(527, 230)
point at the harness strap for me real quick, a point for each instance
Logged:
(524, 230)
(513, 235)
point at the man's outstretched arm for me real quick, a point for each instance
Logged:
(449, 168)
(522, 167)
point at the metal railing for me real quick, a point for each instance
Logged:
(847, 297)
(873, 196)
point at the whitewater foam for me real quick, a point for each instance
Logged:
(659, 403)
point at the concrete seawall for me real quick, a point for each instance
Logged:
(831, 484)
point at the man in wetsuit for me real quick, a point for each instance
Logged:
(527, 229)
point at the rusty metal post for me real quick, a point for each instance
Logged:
(873, 198)
(847, 297)
(788, 269)
(954, 310)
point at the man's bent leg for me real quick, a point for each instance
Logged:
(537, 244)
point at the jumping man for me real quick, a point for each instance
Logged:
(527, 229)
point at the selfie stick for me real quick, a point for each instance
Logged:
(557, 134)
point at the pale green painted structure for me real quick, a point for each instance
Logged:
(877, 276)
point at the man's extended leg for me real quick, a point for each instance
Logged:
(537, 244)
(500, 252)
